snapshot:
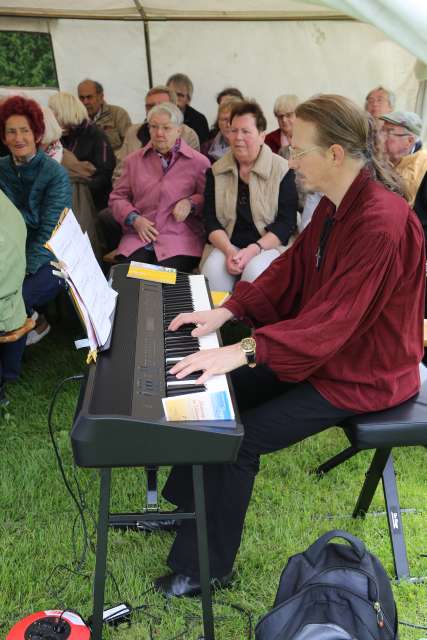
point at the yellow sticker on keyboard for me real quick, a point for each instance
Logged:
(152, 272)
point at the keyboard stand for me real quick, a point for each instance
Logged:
(102, 544)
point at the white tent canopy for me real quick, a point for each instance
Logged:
(265, 48)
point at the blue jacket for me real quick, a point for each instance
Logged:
(40, 189)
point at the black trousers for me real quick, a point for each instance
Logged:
(186, 264)
(275, 415)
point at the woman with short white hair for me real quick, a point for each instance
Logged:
(284, 110)
(159, 196)
(87, 142)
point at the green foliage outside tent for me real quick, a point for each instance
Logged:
(26, 60)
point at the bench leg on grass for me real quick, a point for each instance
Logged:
(382, 468)
(336, 460)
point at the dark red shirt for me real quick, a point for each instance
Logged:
(354, 327)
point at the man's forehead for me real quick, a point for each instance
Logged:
(157, 98)
(378, 93)
(87, 88)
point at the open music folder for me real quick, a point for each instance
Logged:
(93, 298)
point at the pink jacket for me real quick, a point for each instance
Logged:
(143, 187)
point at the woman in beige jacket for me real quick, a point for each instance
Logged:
(250, 203)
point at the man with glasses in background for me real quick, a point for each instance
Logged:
(183, 87)
(403, 145)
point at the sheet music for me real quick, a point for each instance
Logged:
(73, 250)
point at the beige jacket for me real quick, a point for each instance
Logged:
(412, 170)
(264, 183)
(133, 143)
(115, 121)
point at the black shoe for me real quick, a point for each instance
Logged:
(176, 585)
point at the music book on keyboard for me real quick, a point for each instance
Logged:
(93, 298)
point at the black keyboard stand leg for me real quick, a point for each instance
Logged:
(202, 544)
(101, 555)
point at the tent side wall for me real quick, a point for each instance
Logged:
(264, 59)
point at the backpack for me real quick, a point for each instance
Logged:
(332, 592)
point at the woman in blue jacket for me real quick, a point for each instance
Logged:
(39, 187)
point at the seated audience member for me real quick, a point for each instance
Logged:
(402, 142)
(138, 135)
(79, 173)
(12, 272)
(379, 101)
(114, 120)
(39, 187)
(183, 87)
(337, 329)
(87, 143)
(284, 110)
(218, 145)
(250, 203)
(159, 197)
(227, 93)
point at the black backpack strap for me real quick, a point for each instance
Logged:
(313, 552)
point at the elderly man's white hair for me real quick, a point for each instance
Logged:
(175, 114)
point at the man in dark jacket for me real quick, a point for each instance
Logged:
(183, 87)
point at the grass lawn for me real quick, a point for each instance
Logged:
(289, 510)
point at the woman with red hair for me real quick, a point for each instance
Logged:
(39, 187)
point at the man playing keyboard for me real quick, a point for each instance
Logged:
(337, 327)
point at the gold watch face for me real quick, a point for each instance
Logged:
(248, 345)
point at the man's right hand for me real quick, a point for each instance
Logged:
(206, 321)
(145, 229)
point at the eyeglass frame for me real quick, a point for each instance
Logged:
(296, 155)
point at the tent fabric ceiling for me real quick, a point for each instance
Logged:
(172, 9)
(404, 22)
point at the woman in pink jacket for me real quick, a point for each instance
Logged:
(159, 197)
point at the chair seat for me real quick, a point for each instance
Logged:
(401, 426)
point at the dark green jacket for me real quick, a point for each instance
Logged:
(40, 189)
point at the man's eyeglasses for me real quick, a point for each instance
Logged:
(296, 155)
(390, 132)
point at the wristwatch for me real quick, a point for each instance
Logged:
(248, 346)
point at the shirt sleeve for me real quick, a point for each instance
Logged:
(286, 219)
(209, 211)
(346, 306)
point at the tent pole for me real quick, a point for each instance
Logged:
(143, 15)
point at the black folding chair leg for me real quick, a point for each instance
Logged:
(395, 525)
(336, 460)
(372, 479)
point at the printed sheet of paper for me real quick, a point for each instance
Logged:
(205, 405)
(73, 250)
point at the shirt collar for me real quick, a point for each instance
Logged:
(352, 193)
